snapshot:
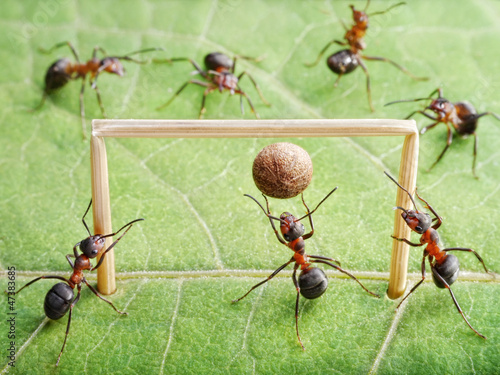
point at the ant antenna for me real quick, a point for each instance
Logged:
(128, 58)
(83, 218)
(264, 210)
(430, 97)
(384, 11)
(407, 100)
(319, 204)
(413, 201)
(119, 230)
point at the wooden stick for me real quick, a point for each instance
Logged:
(101, 212)
(400, 250)
(251, 129)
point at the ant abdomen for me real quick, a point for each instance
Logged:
(58, 300)
(216, 60)
(57, 75)
(448, 270)
(312, 282)
(343, 62)
(468, 117)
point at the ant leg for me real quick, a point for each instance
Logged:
(104, 299)
(440, 220)
(309, 213)
(324, 258)
(488, 113)
(325, 48)
(336, 83)
(42, 102)
(257, 87)
(319, 204)
(265, 281)
(99, 100)
(470, 251)
(474, 156)
(295, 282)
(338, 268)
(268, 214)
(100, 49)
(448, 143)
(175, 59)
(407, 241)
(439, 277)
(404, 70)
(203, 109)
(248, 58)
(368, 90)
(59, 45)
(43, 278)
(101, 259)
(69, 260)
(82, 109)
(417, 284)
(77, 298)
(196, 82)
(240, 92)
(429, 127)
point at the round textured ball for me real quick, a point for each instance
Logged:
(282, 170)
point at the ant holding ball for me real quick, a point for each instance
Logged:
(312, 281)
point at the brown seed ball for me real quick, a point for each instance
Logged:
(282, 170)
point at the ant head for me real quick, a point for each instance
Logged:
(441, 106)
(91, 246)
(417, 221)
(359, 17)
(291, 228)
(113, 65)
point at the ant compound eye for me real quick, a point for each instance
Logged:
(418, 228)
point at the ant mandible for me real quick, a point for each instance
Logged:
(312, 281)
(444, 266)
(60, 298)
(346, 60)
(461, 115)
(219, 76)
(64, 70)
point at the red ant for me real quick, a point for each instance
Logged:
(219, 76)
(60, 298)
(444, 266)
(461, 115)
(346, 60)
(312, 282)
(64, 70)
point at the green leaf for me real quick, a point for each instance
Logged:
(203, 244)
